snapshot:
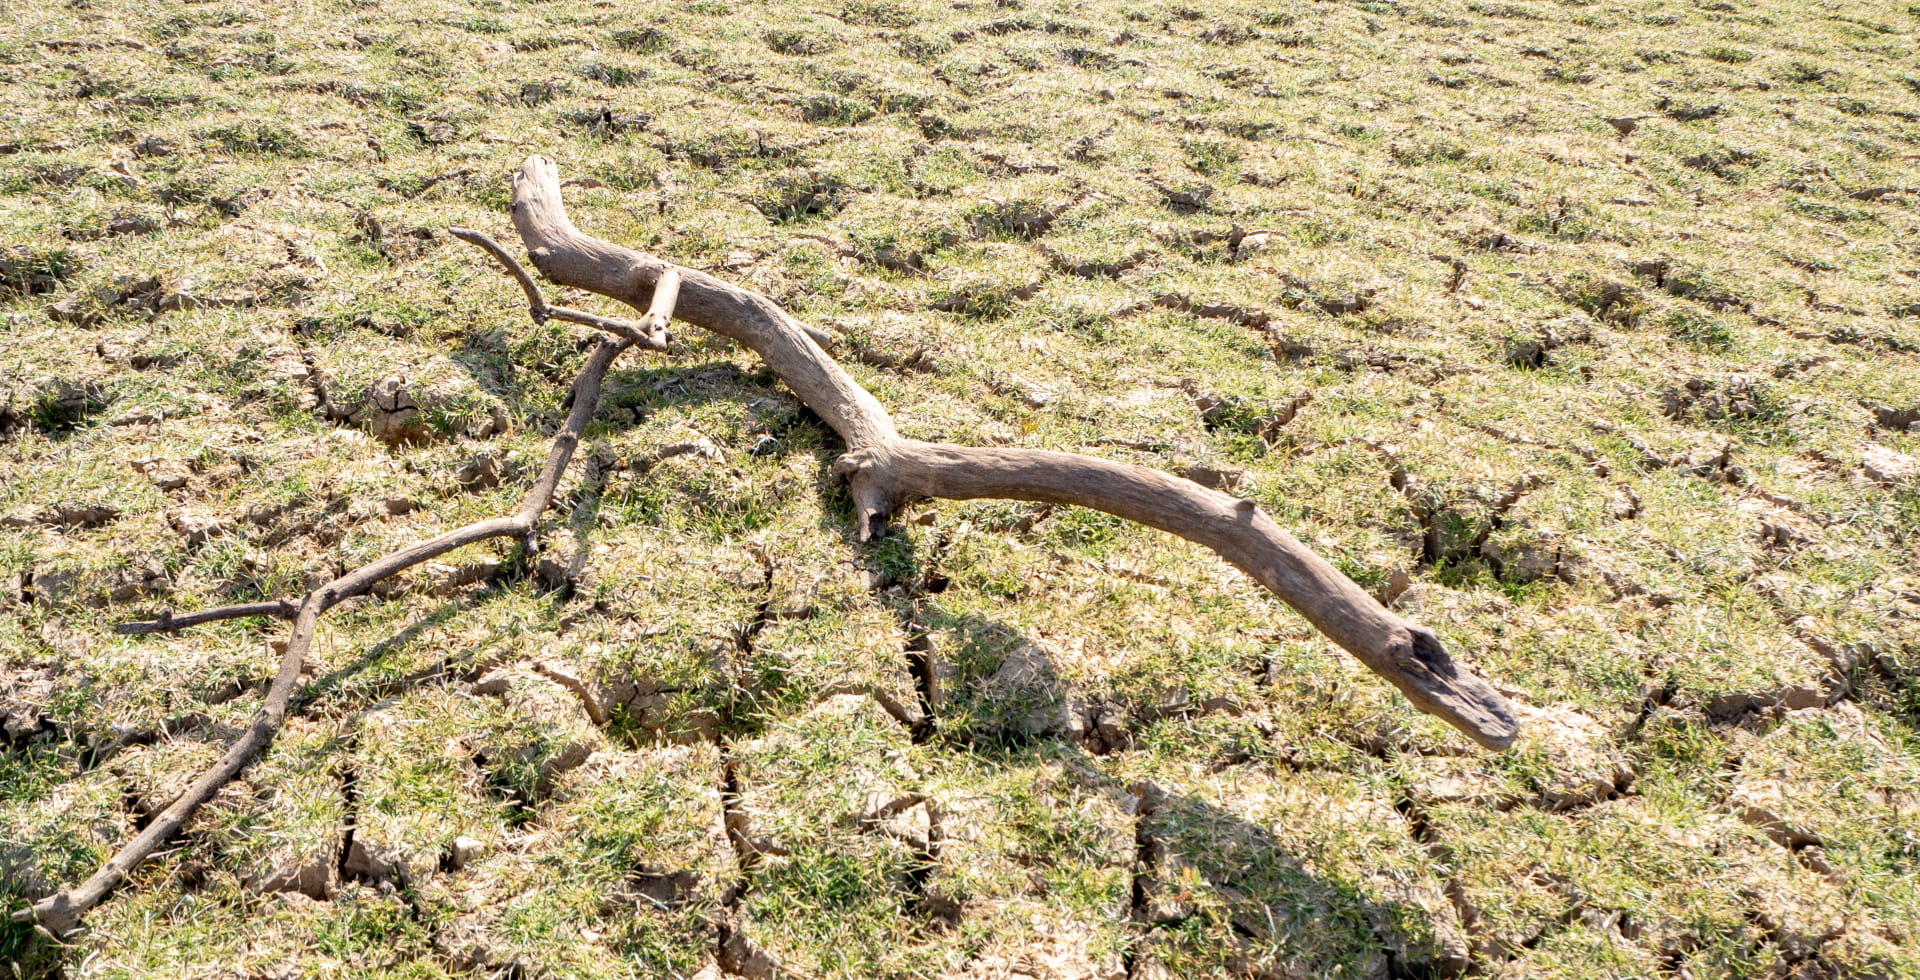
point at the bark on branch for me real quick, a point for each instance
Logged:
(883, 470)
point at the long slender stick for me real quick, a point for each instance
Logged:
(884, 470)
(61, 913)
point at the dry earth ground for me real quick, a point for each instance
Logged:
(1586, 333)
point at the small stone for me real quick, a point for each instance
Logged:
(165, 474)
(482, 472)
(311, 878)
(197, 527)
(74, 311)
(465, 851)
(740, 956)
(1883, 465)
(370, 862)
(72, 514)
(132, 224)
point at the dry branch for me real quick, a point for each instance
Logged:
(883, 470)
(60, 913)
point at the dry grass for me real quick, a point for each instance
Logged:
(1628, 417)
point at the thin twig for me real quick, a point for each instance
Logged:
(648, 333)
(61, 913)
(169, 623)
(536, 304)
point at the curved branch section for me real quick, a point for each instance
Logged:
(567, 257)
(1409, 656)
(883, 470)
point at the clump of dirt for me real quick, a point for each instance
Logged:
(1234, 414)
(142, 295)
(1535, 351)
(26, 702)
(1895, 419)
(29, 271)
(1736, 398)
(1456, 522)
(1017, 218)
(55, 406)
(401, 411)
(65, 587)
(1688, 281)
(1605, 299)
(798, 195)
(1727, 164)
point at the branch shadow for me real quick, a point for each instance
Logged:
(336, 683)
(1254, 904)
(1215, 890)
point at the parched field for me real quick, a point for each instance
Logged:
(1585, 333)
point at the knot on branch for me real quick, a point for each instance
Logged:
(875, 497)
(56, 914)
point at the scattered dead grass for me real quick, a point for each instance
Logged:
(1584, 333)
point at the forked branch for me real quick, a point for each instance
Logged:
(883, 470)
(60, 913)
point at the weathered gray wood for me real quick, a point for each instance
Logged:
(883, 470)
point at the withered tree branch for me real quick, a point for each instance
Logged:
(883, 471)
